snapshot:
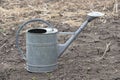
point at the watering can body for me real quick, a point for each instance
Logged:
(41, 50)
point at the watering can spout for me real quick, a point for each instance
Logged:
(63, 47)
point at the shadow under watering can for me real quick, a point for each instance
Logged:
(42, 48)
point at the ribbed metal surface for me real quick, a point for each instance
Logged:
(41, 52)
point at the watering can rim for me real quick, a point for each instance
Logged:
(48, 31)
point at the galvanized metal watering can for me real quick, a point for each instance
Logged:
(42, 48)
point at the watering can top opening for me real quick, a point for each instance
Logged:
(43, 31)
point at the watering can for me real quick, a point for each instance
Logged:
(42, 48)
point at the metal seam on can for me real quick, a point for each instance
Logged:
(41, 65)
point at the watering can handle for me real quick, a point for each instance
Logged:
(21, 27)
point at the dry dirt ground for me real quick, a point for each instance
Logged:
(84, 59)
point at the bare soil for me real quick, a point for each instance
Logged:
(81, 61)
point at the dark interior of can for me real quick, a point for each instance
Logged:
(37, 31)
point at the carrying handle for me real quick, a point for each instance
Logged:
(21, 27)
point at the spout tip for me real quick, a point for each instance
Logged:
(95, 14)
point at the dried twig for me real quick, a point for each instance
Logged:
(32, 7)
(107, 49)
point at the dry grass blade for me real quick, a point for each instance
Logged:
(115, 9)
(2, 45)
